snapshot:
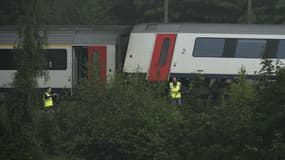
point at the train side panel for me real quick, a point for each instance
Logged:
(59, 78)
(214, 50)
(111, 62)
(139, 52)
(6, 74)
(185, 64)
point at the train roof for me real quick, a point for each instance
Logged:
(75, 35)
(210, 28)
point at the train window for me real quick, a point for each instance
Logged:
(209, 47)
(7, 59)
(164, 52)
(281, 50)
(250, 48)
(56, 59)
(239, 48)
(230, 46)
(271, 48)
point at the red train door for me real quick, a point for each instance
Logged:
(161, 57)
(97, 63)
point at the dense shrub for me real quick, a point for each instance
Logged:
(133, 119)
(128, 119)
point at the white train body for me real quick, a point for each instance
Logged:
(157, 51)
(71, 54)
(214, 50)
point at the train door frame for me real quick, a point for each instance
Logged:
(79, 65)
(101, 55)
(162, 57)
(83, 60)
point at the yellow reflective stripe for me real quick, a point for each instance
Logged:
(59, 45)
(8, 45)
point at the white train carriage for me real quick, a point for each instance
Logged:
(70, 54)
(215, 50)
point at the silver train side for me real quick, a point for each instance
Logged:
(155, 51)
(70, 53)
(217, 51)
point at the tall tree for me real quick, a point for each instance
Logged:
(24, 101)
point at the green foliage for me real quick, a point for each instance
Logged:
(78, 12)
(242, 92)
(247, 125)
(30, 66)
(9, 11)
(20, 139)
(220, 131)
(126, 120)
(94, 12)
(132, 119)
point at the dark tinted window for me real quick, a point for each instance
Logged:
(250, 48)
(164, 52)
(230, 46)
(281, 50)
(239, 48)
(271, 48)
(56, 59)
(7, 59)
(209, 47)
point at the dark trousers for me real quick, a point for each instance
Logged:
(50, 109)
(177, 101)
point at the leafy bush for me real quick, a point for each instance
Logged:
(128, 119)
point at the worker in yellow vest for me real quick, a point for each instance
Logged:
(48, 99)
(175, 91)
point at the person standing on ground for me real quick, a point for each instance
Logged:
(48, 99)
(175, 92)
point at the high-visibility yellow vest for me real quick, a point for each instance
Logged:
(48, 102)
(175, 90)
